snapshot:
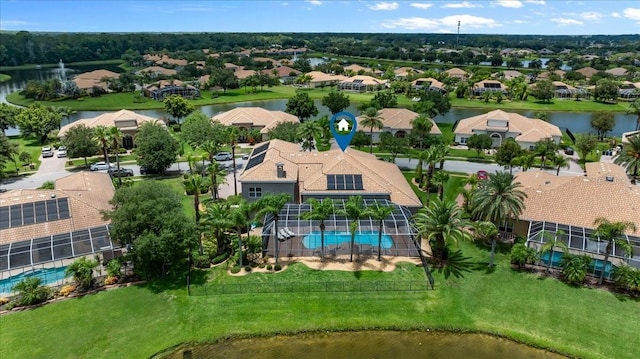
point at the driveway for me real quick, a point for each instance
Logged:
(51, 168)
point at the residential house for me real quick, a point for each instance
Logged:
(402, 73)
(587, 72)
(357, 69)
(428, 84)
(507, 74)
(546, 74)
(572, 203)
(479, 88)
(162, 89)
(362, 83)
(320, 79)
(397, 121)
(562, 90)
(629, 90)
(627, 135)
(40, 226)
(617, 72)
(127, 121)
(546, 51)
(97, 78)
(286, 74)
(232, 67)
(501, 125)
(249, 118)
(155, 71)
(281, 167)
(460, 74)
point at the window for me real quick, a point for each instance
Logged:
(463, 140)
(532, 147)
(255, 192)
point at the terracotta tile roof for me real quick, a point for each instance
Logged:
(396, 119)
(578, 201)
(357, 68)
(97, 75)
(562, 85)
(159, 70)
(283, 71)
(110, 119)
(254, 117)
(424, 80)
(243, 74)
(507, 74)
(588, 72)
(88, 194)
(405, 70)
(617, 71)
(456, 72)
(87, 84)
(317, 76)
(527, 129)
(481, 84)
(365, 80)
(546, 74)
(310, 170)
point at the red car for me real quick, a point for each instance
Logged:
(483, 175)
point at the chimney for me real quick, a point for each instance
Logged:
(280, 170)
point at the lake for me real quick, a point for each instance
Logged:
(366, 345)
(577, 122)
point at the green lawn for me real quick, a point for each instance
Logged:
(532, 104)
(30, 145)
(4, 77)
(137, 322)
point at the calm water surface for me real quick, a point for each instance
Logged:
(367, 345)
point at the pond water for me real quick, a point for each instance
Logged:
(577, 122)
(367, 344)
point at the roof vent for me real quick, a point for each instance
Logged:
(53, 195)
(547, 182)
(609, 178)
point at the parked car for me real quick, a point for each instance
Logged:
(223, 156)
(483, 175)
(568, 151)
(122, 172)
(47, 152)
(62, 152)
(148, 171)
(99, 166)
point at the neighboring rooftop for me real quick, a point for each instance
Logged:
(255, 117)
(528, 129)
(397, 119)
(123, 119)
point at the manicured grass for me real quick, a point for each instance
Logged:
(30, 145)
(4, 77)
(137, 322)
(532, 104)
(175, 182)
(473, 154)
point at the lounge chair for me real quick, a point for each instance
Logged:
(281, 237)
(283, 233)
(289, 232)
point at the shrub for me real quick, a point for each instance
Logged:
(113, 268)
(219, 259)
(31, 291)
(110, 280)
(25, 158)
(201, 261)
(68, 289)
(522, 255)
(277, 267)
(235, 269)
(269, 267)
(4, 300)
(574, 268)
(247, 269)
(48, 185)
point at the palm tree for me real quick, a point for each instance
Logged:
(521, 255)
(525, 161)
(63, 111)
(487, 231)
(115, 136)
(431, 158)
(442, 223)
(218, 218)
(218, 178)
(421, 127)
(379, 213)
(629, 157)
(354, 211)
(560, 161)
(550, 244)
(308, 131)
(499, 200)
(612, 232)
(82, 272)
(271, 204)
(634, 109)
(240, 217)
(441, 153)
(320, 211)
(371, 118)
(422, 156)
(102, 138)
(232, 137)
(545, 148)
(440, 179)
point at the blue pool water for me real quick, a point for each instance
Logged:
(556, 259)
(48, 276)
(334, 238)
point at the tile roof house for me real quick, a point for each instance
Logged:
(127, 121)
(546, 74)
(492, 86)
(617, 72)
(281, 167)
(74, 206)
(604, 191)
(165, 88)
(247, 118)
(627, 135)
(428, 84)
(563, 90)
(87, 80)
(286, 74)
(158, 70)
(397, 121)
(357, 69)
(404, 72)
(507, 74)
(587, 72)
(362, 83)
(501, 125)
(320, 79)
(458, 73)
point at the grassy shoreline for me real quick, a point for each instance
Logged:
(147, 319)
(4, 77)
(118, 101)
(47, 66)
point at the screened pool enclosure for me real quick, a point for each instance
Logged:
(301, 238)
(580, 240)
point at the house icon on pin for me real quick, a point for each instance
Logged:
(343, 126)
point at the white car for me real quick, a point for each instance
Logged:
(223, 156)
(99, 166)
(62, 152)
(47, 152)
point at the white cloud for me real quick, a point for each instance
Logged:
(421, 5)
(5, 24)
(591, 16)
(520, 22)
(421, 23)
(314, 2)
(509, 3)
(567, 21)
(616, 14)
(537, 2)
(632, 13)
(464, 4)
(384, 6)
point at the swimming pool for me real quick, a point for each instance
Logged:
(556, 260)
(48, 276)
(335, 238)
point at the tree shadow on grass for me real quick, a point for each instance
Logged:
(456, 265)
(176, 281)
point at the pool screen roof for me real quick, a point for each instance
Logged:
(581, 239)
(398, 223)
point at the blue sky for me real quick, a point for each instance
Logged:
(550, 17)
